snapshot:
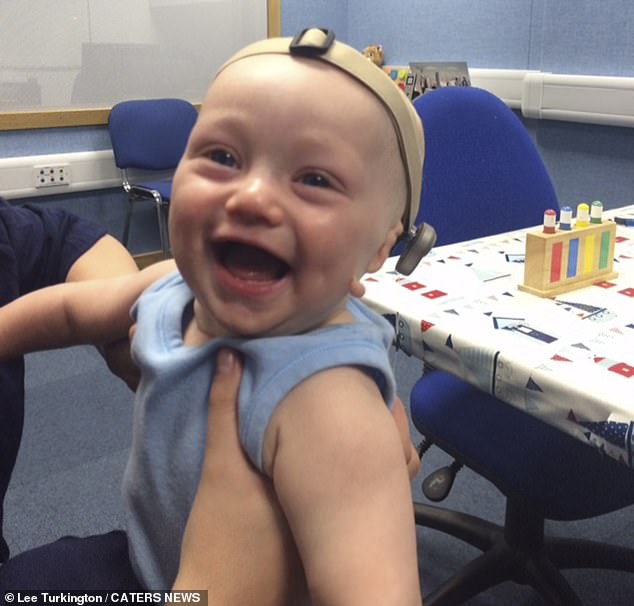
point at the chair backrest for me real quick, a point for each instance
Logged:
(483, 174)
(150, 134)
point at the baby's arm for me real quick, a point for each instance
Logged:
(91, 311)
(336, 459)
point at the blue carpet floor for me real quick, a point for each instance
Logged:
(77, 433)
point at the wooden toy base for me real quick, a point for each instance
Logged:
(558, 290)
(562, 261)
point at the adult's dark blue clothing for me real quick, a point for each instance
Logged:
(97, 562)
(38, 247)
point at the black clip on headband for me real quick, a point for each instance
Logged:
(296, 47)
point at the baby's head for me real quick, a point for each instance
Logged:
(304, 167)
(320, 44)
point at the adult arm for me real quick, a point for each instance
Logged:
(39, 245)
(106, 258)
(86, 312)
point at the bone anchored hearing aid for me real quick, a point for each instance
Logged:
(320, 44)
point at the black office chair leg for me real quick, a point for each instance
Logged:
(581, 553)
(515, 552)
(487, 570)
(544, 576)
(524, 535)
(500, 564)
(470, 529)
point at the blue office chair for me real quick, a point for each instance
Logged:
(150, 135)
(483, 175)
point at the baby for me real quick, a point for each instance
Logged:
(303, 169)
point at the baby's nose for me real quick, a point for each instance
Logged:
(256, 199)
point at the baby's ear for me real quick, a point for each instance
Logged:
(384, 251)
(357, 289)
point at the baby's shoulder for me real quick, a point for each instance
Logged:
(326, 404)
(346, 386)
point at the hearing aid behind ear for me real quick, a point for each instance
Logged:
(419, 242)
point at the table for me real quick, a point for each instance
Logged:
(568, 360)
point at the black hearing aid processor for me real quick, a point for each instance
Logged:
(420, 241)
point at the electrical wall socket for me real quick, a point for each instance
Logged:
(51, 175)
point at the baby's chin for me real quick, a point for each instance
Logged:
(258, 328)
(235, 324)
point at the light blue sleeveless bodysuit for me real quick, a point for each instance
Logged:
(170, 417)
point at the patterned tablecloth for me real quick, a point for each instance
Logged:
(568, 360)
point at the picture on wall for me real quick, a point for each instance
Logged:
(424, 77)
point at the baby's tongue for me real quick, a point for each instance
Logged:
(251, 263)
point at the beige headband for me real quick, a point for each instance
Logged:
(320, 44)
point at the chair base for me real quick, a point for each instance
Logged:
(516, 552)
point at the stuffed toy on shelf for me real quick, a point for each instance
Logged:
(374, 53)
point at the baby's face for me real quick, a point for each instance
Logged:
(286, 194)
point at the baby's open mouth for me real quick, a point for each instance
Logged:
(250, 262)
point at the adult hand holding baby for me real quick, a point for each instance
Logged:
(239, 547)
(237, 544)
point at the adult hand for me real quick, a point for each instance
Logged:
(237, 544)
(402, 423)
(118, 356)
(119, 361)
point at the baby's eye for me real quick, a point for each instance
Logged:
(315, 180)
(222, 156)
